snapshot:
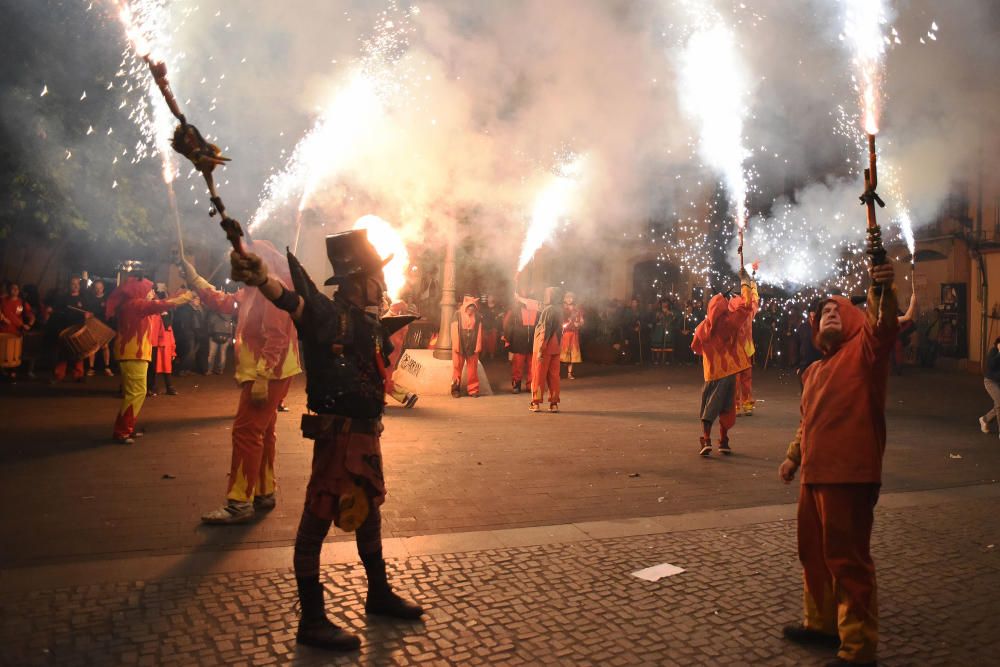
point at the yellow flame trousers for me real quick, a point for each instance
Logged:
(133, 372)
(839, 597)
(252, 469)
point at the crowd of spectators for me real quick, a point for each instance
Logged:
(196, 341)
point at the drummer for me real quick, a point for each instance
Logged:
(69, 308)
(16, 317)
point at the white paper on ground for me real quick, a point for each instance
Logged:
(658, 572)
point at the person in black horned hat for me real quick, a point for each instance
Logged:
(345, 348)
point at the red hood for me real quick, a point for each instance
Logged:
(852, 321)
(718, 320)
(132, 288)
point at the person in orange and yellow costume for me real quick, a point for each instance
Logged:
(133, 307)
(466, 345)
(724, 342)
(744, 379)
(572, 323)
(267, 358)
(839, 447)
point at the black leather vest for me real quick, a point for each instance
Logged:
(339, 347)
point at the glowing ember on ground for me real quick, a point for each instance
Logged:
(387, 241)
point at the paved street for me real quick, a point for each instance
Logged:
(518, 530)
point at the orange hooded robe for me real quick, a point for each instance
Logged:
(724, 339)
(840, 443)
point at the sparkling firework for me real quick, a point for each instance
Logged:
(714, 89)
(387, 241)
(341, 130)
(863, 31)
(348, 120)
(147, 26)
(551, 205)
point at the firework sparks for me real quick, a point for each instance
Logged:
(347, 122)
(714, 91)
(333, 141)
(863, 24)
(147, 27)
(553, 203)
(387, 241)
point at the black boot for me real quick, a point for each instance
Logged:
(800, 634)
(381, 600)
(455, 390)
(515, 387)
(315, 629)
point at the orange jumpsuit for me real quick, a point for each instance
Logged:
(839, 445)
(467, 355)
(545, 355)
(267, 352)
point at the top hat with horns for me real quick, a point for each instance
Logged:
(352, 254)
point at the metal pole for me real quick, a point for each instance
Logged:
(443, 348)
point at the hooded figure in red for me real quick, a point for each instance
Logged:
(725, 344)
(132, 306)
(839, 446)
(466, 345)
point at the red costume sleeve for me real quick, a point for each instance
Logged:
(218, 301)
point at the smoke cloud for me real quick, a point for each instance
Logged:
(487, 99)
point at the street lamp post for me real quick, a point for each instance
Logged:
(443, 348)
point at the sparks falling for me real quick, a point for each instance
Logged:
(147, 27)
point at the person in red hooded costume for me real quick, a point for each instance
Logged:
(466, 345)
(545, 352)
(725, 344)
(267, 358)
(133, 307)
(839, 447)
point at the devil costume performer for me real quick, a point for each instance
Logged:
(346, 351)
(545, 352)
(267, 358)
(722, 340)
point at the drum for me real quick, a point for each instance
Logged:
(82, 340)
(10, 350)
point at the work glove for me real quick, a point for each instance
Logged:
(184, 297)
(744, 277)
(249, 269)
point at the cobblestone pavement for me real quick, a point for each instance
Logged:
(623, 447)
(566, 604)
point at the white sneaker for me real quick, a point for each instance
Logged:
(984, 425)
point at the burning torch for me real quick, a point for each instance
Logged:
(205, 156)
